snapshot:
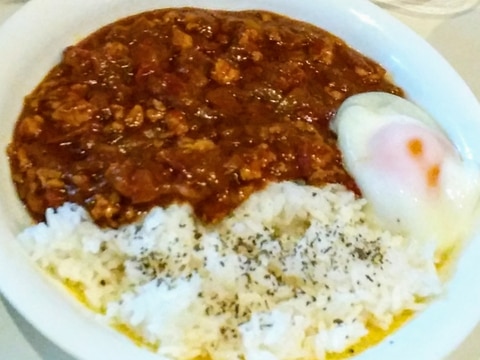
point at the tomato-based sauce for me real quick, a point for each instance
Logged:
(186, 105)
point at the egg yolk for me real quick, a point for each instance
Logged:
(415, 147)
(418, 167)
(433, 174)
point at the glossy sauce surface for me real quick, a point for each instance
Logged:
(186, 105)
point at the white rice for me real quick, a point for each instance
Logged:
(295, 272)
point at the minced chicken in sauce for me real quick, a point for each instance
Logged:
(186, 105)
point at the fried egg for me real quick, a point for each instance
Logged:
(413, 177)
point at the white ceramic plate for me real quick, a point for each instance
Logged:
(32, 41)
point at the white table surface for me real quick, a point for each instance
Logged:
(456, 37)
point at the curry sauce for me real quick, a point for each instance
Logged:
(186, 105)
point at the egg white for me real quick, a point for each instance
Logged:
(413, 178)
